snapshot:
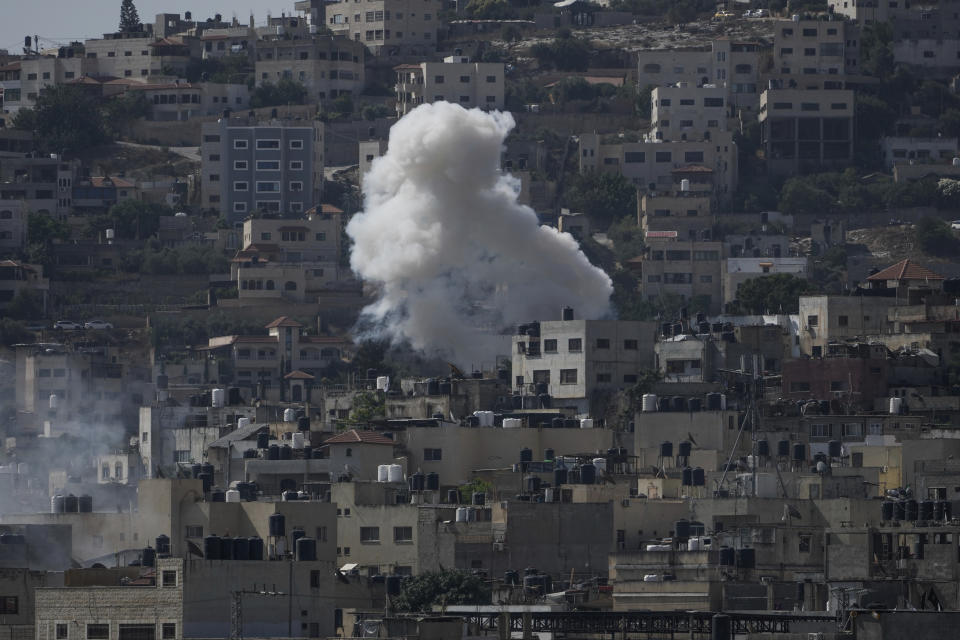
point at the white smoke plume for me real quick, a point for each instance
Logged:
(456, 257)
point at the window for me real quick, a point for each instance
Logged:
(821, 430)
(403, 534)
(604, 377)
(693, 156)
(663, 156)
(433, 454)
(799, 387)
(603, 343)
(438, 79)
(268, 165)
(464, 79)
(838, 385)
(268, 187)
(550, 346)
(634, 157)
(805, 540)
(194, 531)
(665, 102)
(296, 144)
(851, 430)
(241, 186)
(296, 165)
(809, 106)
(137, 632)
(630, 345)
(713, 102)
(98, 631)
(268, 144)
(629, 378)
(369, 534)
(296, 186)
(9, 605)
(214, 177)
(575, 345)
(61, 631)
(937, 493)
(169, 630)
(812, 321)
(568, 376)
(241, 144)
(240, 207)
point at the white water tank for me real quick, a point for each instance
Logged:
(54, 401)
(600, 464)
(289, 415)
(298, 439)
(956, 162)
(649, 402)
(485, 417)
(685, 184)
(233, 495)
(463, 514)
(383, 383)
(243, 422)
(723, 401)
(395, 473)
(109, 234)
(216, 398)
(383, 472)
(586, 423)
(694, 544)
(896, 404)
(512, 423)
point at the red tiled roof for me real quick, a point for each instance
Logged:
(87, 80)
(354, 436)
(324, 208)
(406, 66)
(662, 234)
(298, 375)
(283, 321)
(906, 270)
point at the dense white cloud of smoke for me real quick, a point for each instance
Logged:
(455, 256)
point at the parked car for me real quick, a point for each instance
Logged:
(67, 325)
(97, 324)
(955, 224)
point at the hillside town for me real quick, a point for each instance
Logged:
(441, 320)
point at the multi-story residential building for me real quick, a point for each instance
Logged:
(570, 359)
(712, 163)
(11, 85)
(826, 319)
(13, 227)
(138, 55)
(99, 193)
(685, 268)
(289, 258)
(731, 65)
(456, 79)
(178, 101)
(688, 213)
(685, 112)
(23, 84)
(391, 27)
(909, 150)
(273, 166)
(811, 54)
(368, 151)
(43, 185)
(18, 276)
(806, 131)
(327, 65)
(235, 40)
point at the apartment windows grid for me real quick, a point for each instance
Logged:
(369, 534)
(575, 345)
(433, 454)
(267, 144)
(240, 144)
(98, 632)
(403, 534)
(568, 376)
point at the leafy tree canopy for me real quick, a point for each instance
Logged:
(129, 20)
(564, 53)
(273, 95)
(441, 588)
(605, 197)
(65, 118)
(44, 229)
(936, 238)
(777, 293)
(136, 220)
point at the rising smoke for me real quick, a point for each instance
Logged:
(455, 256)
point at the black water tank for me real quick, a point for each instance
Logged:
(533, 484)
(148, 557)
(783, 448)
(571, 423)
(799, 452)
(559, 476)
(679, 403)
(886, 510)
(85, 504)
(226, 548)
(295, 534)
(834, 449)
(926, 509)
(683, 448)
(218, 496)
(727, 556)
(694, 404)
(206, 467)
(479, 498)
(899, 510)
(417, 481)
(277, 525)
(763, 448)
(720, 627)
(211, 547)
(824, 407)
(912, 510)
(681, 530)
(433, 481)
(666, 449)
(545, 401)
(746, 558)
(286, 452)
(303, 424)
(511, 576)
(548, 455)
(473, 421)
(162, 544)
(516, 402)
(699, 477)
(263, 440)
(588, 474)
(453, 496)
(273, 453)
(557, 423)
(664, 404)
(567, 313)
(687, 477)
(249, 454)
(207, 480)
(71, 504)
(394, 584)
(233, 396)
(196, 470)
(255, 546)
(241, 548)
(526, 455)
(714, 401)
(306, 549)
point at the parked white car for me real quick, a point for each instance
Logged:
(67, 325)
(97, 324)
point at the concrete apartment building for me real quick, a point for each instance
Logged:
(456, 79)
(388, 27)
(572, 358)
(289, 258)
(825, 319)
(13, 227)
(23, 80)
(805, 131)
(926, 151)
(725, 63)
(685, 112)
(273, 166)
(180, 101)
(42, 185)
(688, 213)
(660, 162)
(811, 54)
(685, 268)
(16, 276)
(327, 65)
(139, 55)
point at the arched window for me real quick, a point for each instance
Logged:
(290, 286)
(270, 285)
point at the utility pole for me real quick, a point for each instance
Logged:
(236, 608)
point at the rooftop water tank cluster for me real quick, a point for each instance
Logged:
(650, 403)
(389, 473)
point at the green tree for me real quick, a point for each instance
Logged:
(605, 197)
(13, 332)
(800, 195)
(935, 237)
(366, 408)
(44, 229)
(343, 104)
(372, 112)
(441, 588)
(129, 20)
(490, 10)
(627, 238)
(644, 106)
(949, 123)
(26, 305)
(66, 119)
(876, 49)
(777, 293)
(563, 54)
(136, 220)
(122, 111)
(274, 95)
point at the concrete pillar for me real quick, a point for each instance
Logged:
(503, 626)
(527, 626)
